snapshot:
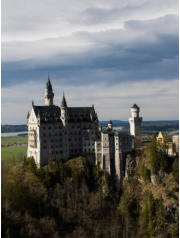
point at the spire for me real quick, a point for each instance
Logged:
(135, 106)
(63, 103)
(48, 84)
(48, 95)
(32, 103)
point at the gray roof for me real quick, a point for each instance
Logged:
(135, 106)
(49, 85)
(47, 113)
(75, 114)
(63, 103)
(82, 114)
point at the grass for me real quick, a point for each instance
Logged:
(13, 139)
(16, 153)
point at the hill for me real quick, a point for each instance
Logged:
(13, 128)
(77, 199)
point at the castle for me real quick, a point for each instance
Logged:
(60, 133)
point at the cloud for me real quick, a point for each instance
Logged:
(111, 62)
(94, 44)
(111, 102)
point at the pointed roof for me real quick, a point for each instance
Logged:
(63, 103)
(48, 84)
(135, 106)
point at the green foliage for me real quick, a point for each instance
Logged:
(175, 167)
(158, 157)
(9, 140)
(145, 173)
(17, 153)
(160, 215)
(152, 216)
(78, 199)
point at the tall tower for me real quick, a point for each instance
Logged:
(110, 125)
(48, 95)
(64, 110)
(135, 124)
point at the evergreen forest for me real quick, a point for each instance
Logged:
(75, 199)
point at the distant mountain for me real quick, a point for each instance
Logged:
(13, 128)
(148, 127)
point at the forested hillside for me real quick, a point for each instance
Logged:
(76, 199)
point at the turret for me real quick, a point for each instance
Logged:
(64, 110)
(135, 124)
(135, 111)
(48, 95)
(110, 125)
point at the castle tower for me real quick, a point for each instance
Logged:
(135, 124)
(64, 110)
(48, 95)
(110, 125)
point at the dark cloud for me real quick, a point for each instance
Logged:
(111, 64)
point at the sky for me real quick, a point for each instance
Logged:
(111, 54)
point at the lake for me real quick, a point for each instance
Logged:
(13, 133)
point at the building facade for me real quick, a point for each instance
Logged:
(62, 132)
(175, 140)
(111, 150)
(59, 133)
(171, 146)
